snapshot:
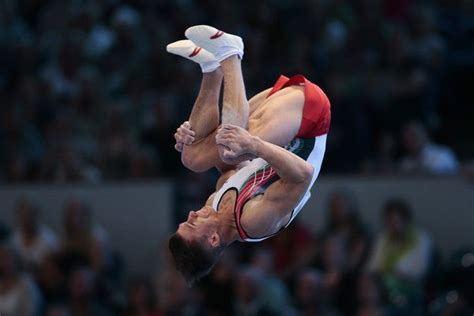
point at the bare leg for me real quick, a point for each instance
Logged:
(278, 124)
(235, 108)
(202, 155)
(204, 117)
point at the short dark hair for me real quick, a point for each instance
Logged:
(192, 260)
(400, 207)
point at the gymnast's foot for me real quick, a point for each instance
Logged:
(189, 50)
(222, 45)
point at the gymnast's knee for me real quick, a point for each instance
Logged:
(195, 162)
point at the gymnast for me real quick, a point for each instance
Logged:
(268, 149)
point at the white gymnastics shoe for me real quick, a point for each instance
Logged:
(222, 45)
(189, 50)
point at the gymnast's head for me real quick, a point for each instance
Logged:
(197, 245)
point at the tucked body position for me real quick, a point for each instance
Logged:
(269, 150)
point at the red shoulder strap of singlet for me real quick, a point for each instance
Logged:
(284, 81)
(279, 84)
(297, 79)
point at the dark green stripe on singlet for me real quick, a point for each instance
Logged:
(305, 147)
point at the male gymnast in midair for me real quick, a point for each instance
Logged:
(269, 150)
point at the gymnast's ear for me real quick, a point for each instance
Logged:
(214, 240)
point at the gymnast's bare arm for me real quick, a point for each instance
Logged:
(266, 214)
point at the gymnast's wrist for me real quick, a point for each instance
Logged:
(255, 146)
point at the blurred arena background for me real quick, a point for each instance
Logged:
(91, 185)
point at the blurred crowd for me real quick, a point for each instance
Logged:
(88, 93)
(345, 269)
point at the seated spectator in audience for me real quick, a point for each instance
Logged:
(141, 298)
(63, 163)
(335, 275)
(292, 248)
(343, 221)
(422, 155)
(248, 289)
(425, 43)
(82, 296)
(32, 240)
(19, 295)
(369, 298)
(174, 296)
(344, 249)
(217, 289)
(401, 255)
(309, 295)
(383, 160)
(51, 279)
(401, 249)
(81, 237)
(274, 293)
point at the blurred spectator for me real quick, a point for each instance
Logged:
(175, 297)
(249, 285)
(19, 295)
(401, 248)
(293, 248)
(383, 160)
(63, 164)
(82, 297)
(370, 298)
(217, 288)
(335, 273)
(425, 43)
(141, 298)
(116, 148)
(51, 279)
(309, 294)
(401, 255)
(274, 292)
(344, 249)
(421, 155)
(32, 240)
(82, 237)
(343, 221)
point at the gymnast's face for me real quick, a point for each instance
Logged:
(200, 225)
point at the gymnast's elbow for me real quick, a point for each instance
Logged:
(306, 172)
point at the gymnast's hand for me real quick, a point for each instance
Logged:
(236, 141)
(184, 136)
